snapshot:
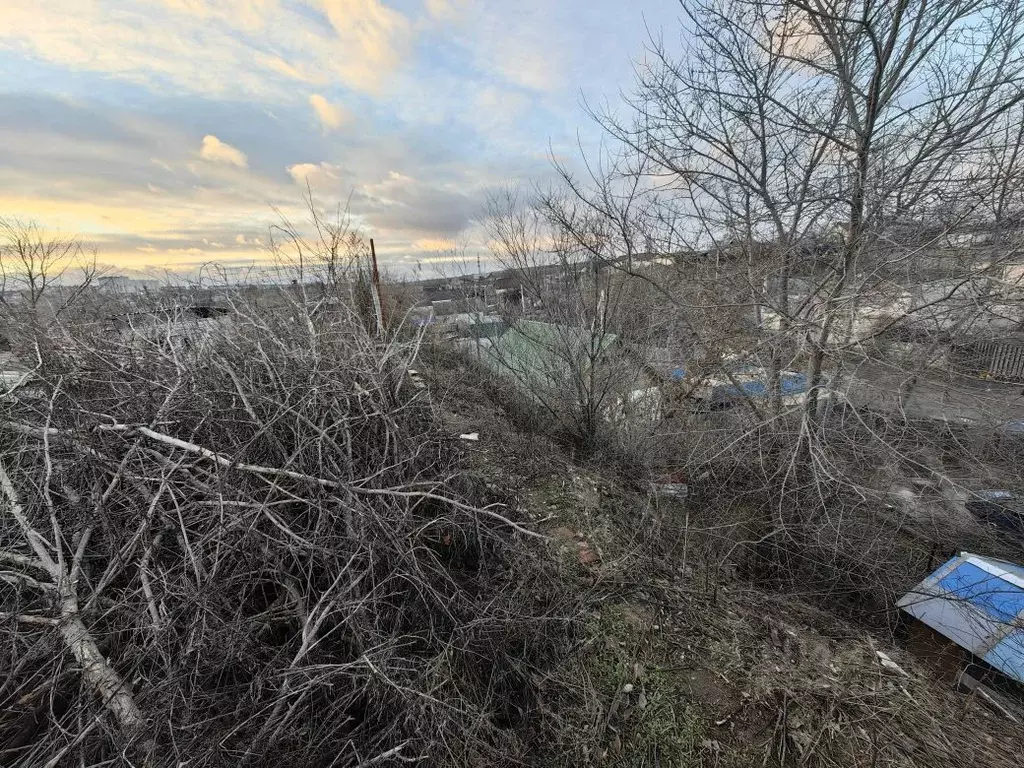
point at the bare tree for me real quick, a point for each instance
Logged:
(826, 191)
(578, 319)
(35, 262)
(787, 124)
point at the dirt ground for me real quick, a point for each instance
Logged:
(683, 663)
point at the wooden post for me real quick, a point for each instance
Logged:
(375, 290)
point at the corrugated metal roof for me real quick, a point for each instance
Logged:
(752, 381)
(544, 356)
(978, 603)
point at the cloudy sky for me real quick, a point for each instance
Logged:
(164, 130)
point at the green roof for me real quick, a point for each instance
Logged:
(545, 356)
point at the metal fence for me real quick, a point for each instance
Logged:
(1001, 359)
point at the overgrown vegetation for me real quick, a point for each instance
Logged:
(253, 537)
(247, 540)
(823, 196)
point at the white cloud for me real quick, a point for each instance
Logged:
(528, 48)
(282, 67)
(331, 116)
(214, 47)
(197, 7)
(314, 174)
(499, 108)
(246, 13)
(216, 151)
(447, 10)
(373, 37)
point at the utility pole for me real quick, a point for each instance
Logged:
(375, 290)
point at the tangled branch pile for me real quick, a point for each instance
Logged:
(246, 540)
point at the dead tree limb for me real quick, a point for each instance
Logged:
(96, 670)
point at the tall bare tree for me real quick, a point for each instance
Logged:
(35, 262)
(827, 187)
(833, 123)
(590, 318)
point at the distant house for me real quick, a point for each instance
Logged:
(509, 290)
(970, 610)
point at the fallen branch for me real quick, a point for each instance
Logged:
(444, 499)
(226, 462)
(26, 562)
(393, 752)
(12, 577)
(96, 671)
(25, 618)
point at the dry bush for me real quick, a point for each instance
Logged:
(869, 511)
(264, 538)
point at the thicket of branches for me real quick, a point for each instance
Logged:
(591, 321)
(830, 187)
(246, 540)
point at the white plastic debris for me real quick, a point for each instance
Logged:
(471, 436)
(891, 665)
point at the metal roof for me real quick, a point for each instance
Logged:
(752, 381)
(978, 603)
(545, 356)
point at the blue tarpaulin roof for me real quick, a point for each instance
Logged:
(978, 603)
(790, 382)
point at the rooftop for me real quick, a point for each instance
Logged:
(978, 603)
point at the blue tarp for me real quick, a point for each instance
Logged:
(978, 603)
(790, 383)
(992, 595)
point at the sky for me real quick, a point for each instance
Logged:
(167, 132)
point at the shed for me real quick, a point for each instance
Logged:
(977, 603)
(544, 356)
